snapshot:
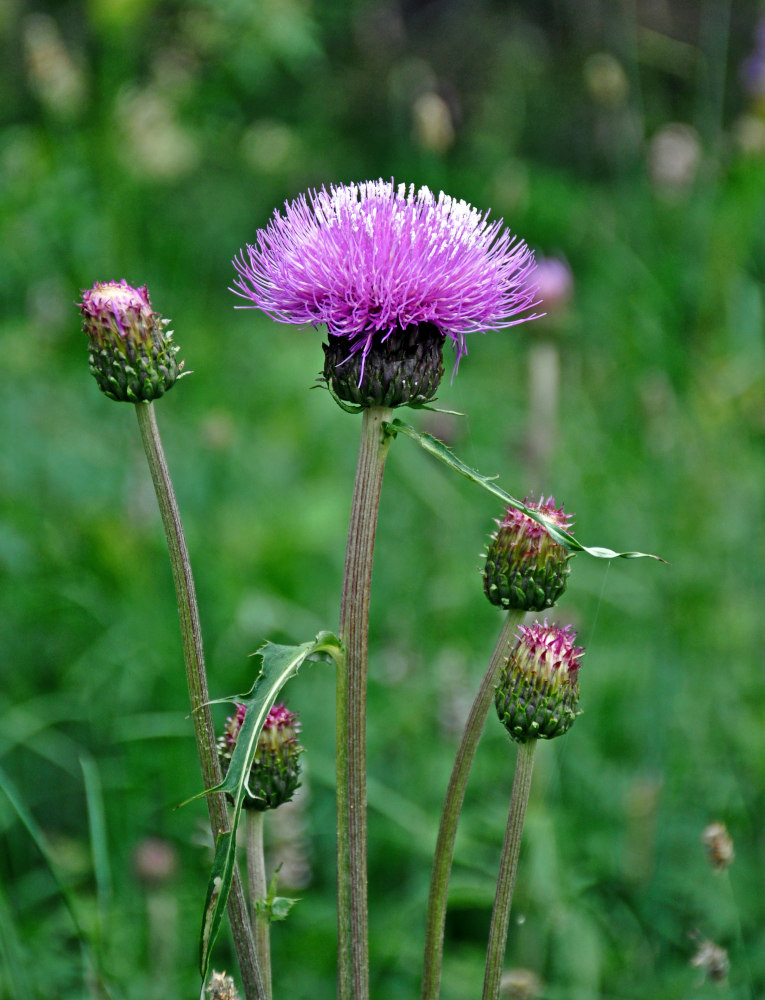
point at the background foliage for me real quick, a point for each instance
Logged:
(148, 140)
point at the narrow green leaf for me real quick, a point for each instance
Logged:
(440, 451)
(99, 844)
(278, 665)
(41, 843)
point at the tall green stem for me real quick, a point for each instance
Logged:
(196, 677)
(455, 795)
(257, 885)
(508, 866)
(353, 931)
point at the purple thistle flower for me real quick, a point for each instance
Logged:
(375, 258)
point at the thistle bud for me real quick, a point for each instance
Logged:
(132, 354)
(275, 771)
(526, 569)
(538, 692)
(401, 368)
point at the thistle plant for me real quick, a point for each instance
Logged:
(526, 569)
(393, 274)
(132, 357)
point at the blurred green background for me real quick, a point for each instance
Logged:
(149, 140)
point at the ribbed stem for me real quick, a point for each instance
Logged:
(258, 887)
(196, 677)
(455, 795)
(353, 931)
(508, 866)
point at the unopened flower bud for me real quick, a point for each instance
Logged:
(401, 368)
(132, 354)
(526, 569)
(538, 692)
(275, 771)
(719, 845)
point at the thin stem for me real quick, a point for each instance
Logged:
(508, 866)
(256, 882)
(353, 931)
(455, 795)
(196, 677)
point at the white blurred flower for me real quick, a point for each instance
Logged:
(674, 154)
(53, 73)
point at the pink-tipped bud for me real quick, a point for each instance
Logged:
(537, 697)
(275, 772)
(526, 569)
(132, 354)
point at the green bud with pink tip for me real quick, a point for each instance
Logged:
(537, 697)
(526, 569)
(275, 772)
(132, 354)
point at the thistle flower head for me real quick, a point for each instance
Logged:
(275, 771)
(526, 569)
(374, 261)
(538, 693)
(132, 354)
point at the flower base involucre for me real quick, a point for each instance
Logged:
(402, 369)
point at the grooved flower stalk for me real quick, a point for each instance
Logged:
(256, 881)
(196, 677)
(353, 931)
(508, 867)
(455, 795)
